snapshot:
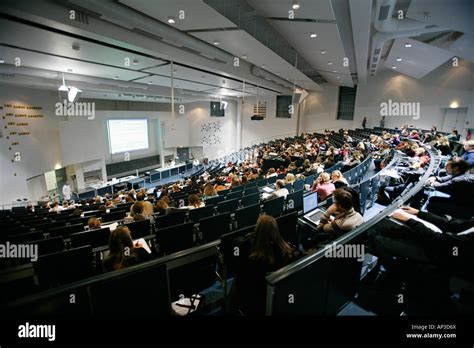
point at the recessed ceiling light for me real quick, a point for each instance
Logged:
(323, 52)
(313, 35)
(329, 63)
(135, 62)
(244, 56)
(278, 73)
(408, 45)
(115, 77)
(150, 83)
(399, 59)
(2, 60)
(69, 70)
(263, 66)
(296, 5)
(216, 42)
(171, 20)
(338, 77)
(394, 67)
(334, 71)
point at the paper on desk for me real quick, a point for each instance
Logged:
(143, 243)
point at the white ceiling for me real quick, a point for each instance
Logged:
(417, 60)
(451, 14)
(328, 40)
(464, 47)
(66, 65)
(57, 44)
(185, 73)
(240, 43)
(197, 15)
(314, 9)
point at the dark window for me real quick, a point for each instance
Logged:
(283, 106)
(346, 103)
(217, 110)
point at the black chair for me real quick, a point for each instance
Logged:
(274, 207)
(47, 226)
(25, 237)
(247, 216)
(203, 275)
(79, 220)
(272, 179)
(228, 206)
(117, 215)
(93, 213)
(262, 182)
(139, 229)
(176, 218)
(197, 214)
(298, 185)
(294, 201)
(223, 192)
(48, 246)
(107, 293)
(289, 187)
(250, 200)
(234, 195)
(214, 200)
(66, 231)
(213, 227)
(175, 238)
(237, 188)
(288, 226)
(227, 248)
(250, 184)
(64, 266)
(95, 238)
(309, 180)
(250, 190)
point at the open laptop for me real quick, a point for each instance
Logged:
(312, 213)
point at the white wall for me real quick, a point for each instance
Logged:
(270, 127)
(320, 111)
(40, 151)
(434, 92)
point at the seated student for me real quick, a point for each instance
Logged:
(419, 244)
(137, 211)
(161, 206)
(442, 144)
(338, 179)
(93, 223)
(459, 184)
(280, 191)
(147, 206)
(102, 209)
(323, 186)
(261, 252)
(468, 156)
(122, 251)
(290, 178)
(271, 172)
(77, 212)
(194, 202)
(209, 191)
(345, 217)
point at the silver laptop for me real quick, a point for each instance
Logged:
(312, 213)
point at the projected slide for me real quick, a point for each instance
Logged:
(127, 135)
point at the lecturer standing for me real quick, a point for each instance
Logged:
(66, 192)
